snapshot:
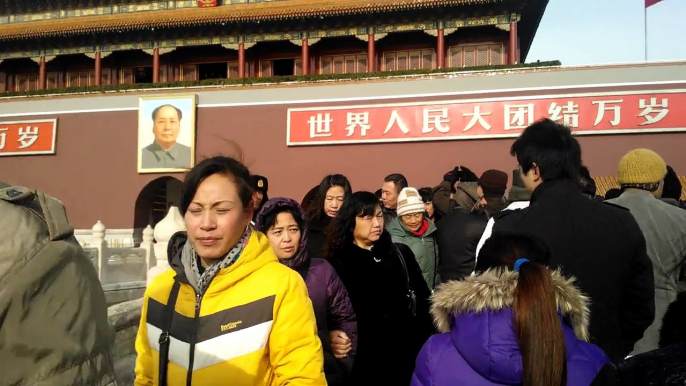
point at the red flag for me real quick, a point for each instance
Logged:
(651, 2)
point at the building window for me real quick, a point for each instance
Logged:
(26, 82)
(280, 67)
(473, 55)
(343, 64)
(233, 70)
(409, 60)
(212, 70)
(142, 74)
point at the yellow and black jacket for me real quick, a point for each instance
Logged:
(254, 325)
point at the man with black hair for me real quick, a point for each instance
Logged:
(458, 189)
(598, 243)
(392, 185)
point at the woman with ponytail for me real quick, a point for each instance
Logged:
(513, 322)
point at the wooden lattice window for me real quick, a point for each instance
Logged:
(343, 64)
(233, 70)
(164, 74)
(266, 68)
(189, 73)
(298, 67)
(105, 77)
(126, 76)
(409, 60)
(26, 82)
(473, 55)
(52, 80)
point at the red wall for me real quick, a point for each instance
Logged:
(94, 169)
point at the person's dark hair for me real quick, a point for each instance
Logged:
(426, 194)
(613, 193)
(224, 166)
(270, 218)
(552, 147)
(316, 210)
(535, 307)
(586, 182)
(154, 112)
(672, 185)
(398, 180)
(340, 231)
(378, 193)
(309, 199)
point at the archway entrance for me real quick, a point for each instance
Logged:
(153, 203)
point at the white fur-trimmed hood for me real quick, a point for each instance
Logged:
(494, 290)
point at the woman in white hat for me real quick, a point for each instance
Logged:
(413, 229)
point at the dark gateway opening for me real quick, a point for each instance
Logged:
(212, 71)
(284, 67)
(143, 74)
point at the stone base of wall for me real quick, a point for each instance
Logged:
(123, 292)
(124, 319)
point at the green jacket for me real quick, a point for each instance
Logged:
(424, 248)
(53, 324)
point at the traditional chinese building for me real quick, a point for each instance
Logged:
(79, 43)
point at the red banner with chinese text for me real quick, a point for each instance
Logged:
(207, 3)
(585, 114)
(28, 137)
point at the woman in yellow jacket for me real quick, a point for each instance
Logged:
(227, 313)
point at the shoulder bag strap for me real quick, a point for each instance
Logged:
(164, 337)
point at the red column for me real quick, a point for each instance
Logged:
(440, 47)
(306, 57)
(241, 60)
(371, 55)
(98, 68)
(10, 82)
(156, 65)
(513, 54)
(42, 80)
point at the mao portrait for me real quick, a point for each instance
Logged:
(166, 134)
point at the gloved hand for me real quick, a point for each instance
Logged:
(452, 176)
(466, 175)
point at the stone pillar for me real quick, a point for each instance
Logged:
(513, 53)
(163, 232)
(371, 55)
(149, 247)
(98, 242)
(440, 47)
(306, 57)
(156, 65)
(98, 68)
(241, 60)
(42, 76)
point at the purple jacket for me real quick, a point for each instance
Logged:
(479, 346)
(332, 307)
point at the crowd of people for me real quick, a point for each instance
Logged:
(464, 283)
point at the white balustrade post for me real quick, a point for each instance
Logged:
(149, 247)
(100, 244)
(163, 232)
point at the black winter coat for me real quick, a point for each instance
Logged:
(665, 366)
(316, 236)
(458, 236)
(602, 246)
(388, 337)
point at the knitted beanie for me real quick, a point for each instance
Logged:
(409, 201)
(641, 166)
(493, 183)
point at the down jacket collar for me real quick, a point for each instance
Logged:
(494, 290)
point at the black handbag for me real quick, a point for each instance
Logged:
(411, 297)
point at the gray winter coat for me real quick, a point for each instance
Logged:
(53, 323)
(424, 248)
(664, 229)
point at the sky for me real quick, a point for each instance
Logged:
(578, 32)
